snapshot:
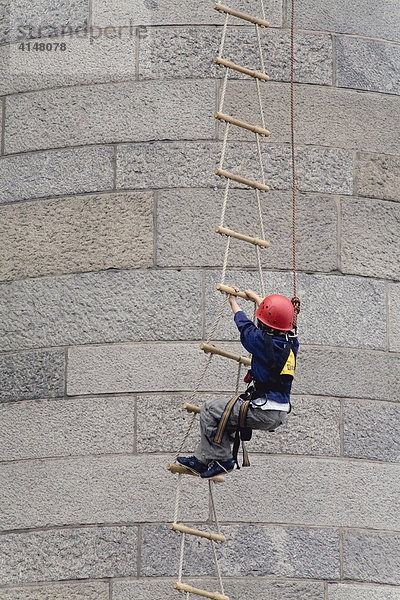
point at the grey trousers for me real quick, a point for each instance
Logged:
(210, 415)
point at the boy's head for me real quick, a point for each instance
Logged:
(276, 312)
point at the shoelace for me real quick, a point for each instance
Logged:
(215, 462)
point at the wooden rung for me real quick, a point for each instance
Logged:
(191, 407)
(210, 535)
(240, 15)
(214, 350)
(192, 590)
(240, 236)
(226, 289)
(181, 469)
(242, 124)
(239, 179)
(231, 65)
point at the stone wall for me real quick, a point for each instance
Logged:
(108, 204)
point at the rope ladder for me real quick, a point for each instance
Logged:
(260, 243)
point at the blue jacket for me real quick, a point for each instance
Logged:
(253, 340)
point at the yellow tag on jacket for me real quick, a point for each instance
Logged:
(290, 365)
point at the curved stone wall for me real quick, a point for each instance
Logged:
(108, 269)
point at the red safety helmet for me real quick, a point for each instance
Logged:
(277, 312)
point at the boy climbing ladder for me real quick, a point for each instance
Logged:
(266, 402)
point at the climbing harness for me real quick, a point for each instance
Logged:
(225, 418)
(256, 394)
(243, 434)
(283, 366)
(259, 242)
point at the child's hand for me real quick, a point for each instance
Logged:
(253, 296)
(232, 297)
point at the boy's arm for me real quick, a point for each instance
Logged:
(253, 296)
(234, 305)
(249, 334)
(248, 331)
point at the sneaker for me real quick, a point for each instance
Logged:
(192, 463)
(217, 467)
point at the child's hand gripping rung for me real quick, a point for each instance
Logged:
(226, 289)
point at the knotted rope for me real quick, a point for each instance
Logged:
(295, 299)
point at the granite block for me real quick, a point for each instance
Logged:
(251, 588)
(377, 176)
(361, 17)
(97, 57)
(164, 435)
(108, 113)
(312, 428)
(2, 104)
(323, 492)
(57, 172)
(100, 307)
(21, 20)
(46, 428)
(73, 235)
(276, 551)
(78, 553)
(172, 367)
(73, 591)
(32, 375)
(371, 556)
(347, 373)
(368, 65)
(98, 490)
(369, 234)
(372, 431)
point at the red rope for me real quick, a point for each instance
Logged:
(295, 300)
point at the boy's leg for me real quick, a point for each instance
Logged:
(267, 420)
(210, 416)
